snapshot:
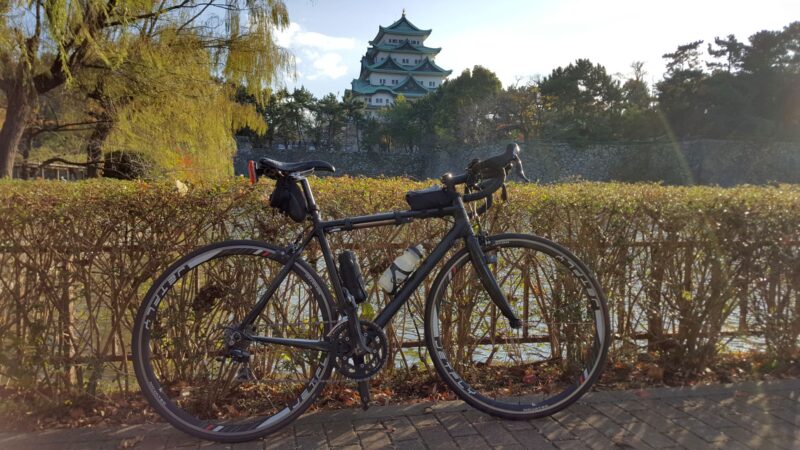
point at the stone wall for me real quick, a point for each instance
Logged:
(723, 163)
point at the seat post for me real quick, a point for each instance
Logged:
(312, 204)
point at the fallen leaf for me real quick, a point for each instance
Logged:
(655, 372)
(130, 442)
(530, 377)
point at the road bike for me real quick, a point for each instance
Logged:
(238, 338)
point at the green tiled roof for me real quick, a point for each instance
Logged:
(409, 89)
(405, 46)
(402, 26)
(429, 66)
(389, 66)
(363, 87)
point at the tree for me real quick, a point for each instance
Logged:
(179, 116)
(465, 108)
(639, 120)
(679, 94)
(375, 135)
(771, 65)
(354, 112)
(98, 35)
(730, 51)
(685, 58)
(582, 102)
(275, 114)
(402, 124)
(330, 116)
(299, 113)
(751, 92)
(519, 110)
(635, 92)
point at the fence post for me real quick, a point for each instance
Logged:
(655, 325)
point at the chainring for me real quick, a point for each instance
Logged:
(359, 367)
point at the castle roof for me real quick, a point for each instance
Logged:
(406, 46)
(410, 88)
(390, 66)
(387, 65)
(429, 66)
(402, 26)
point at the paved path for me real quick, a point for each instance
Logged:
(739, 416)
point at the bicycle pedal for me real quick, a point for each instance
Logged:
(363, 391)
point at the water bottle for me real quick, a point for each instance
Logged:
(401, 268)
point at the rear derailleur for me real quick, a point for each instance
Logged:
(236, 348)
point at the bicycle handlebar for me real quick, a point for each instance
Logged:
(488, 175)
(487, 189)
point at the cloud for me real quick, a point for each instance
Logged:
(329, 64)
(321, 57)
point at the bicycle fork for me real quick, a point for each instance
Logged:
(479, 261)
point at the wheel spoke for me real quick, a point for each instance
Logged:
(204, 372)
(503, 369)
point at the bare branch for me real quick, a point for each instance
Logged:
(193, 18)
(181, 5)
(71, 127)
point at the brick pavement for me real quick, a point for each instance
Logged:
(739, 416)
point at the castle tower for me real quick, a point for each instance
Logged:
(398, 63)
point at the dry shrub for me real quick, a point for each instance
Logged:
(685, 269)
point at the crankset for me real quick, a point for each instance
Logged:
(353, 362)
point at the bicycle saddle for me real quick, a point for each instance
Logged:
(291, 167)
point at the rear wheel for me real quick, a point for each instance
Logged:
(185, 326)
(532, 371)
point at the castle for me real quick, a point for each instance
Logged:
(397, 63)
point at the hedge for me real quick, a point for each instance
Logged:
(689, 271)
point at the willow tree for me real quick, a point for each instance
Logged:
(170, 110)
(46, 44)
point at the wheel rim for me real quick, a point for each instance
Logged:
(547, 363)
(188, 320)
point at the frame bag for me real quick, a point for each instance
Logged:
(429, 198)
(288, 198)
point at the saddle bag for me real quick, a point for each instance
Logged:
(430, 198)
(289, 199)
(350, 274)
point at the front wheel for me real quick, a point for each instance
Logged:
(532, 371)
(192, 363)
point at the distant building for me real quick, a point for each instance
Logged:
(52, 171)
(398, 63)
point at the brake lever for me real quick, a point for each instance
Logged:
(520, 171)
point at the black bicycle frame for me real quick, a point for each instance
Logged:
(461, 229)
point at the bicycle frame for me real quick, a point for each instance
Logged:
(461, 229)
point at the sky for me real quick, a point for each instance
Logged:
(517, 39)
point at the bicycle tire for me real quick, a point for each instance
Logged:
(162, 353)
(488, 385)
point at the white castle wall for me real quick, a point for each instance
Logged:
(394, 39)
